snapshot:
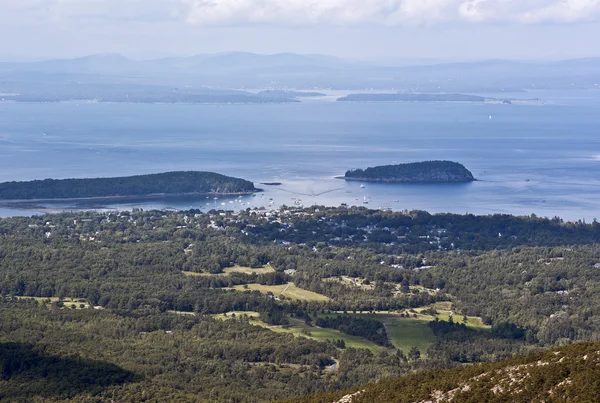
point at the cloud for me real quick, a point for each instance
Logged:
(388, 12)
(303, 12)
(73, 11)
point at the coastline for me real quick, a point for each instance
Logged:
(16, 203)
(399, 181)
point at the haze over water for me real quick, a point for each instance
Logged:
(542, 159)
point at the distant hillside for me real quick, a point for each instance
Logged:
(288, 70)
(170, 183)
(570, 373)
(416, 172)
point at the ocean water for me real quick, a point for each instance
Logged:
(542, 159)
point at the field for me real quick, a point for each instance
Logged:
(249, 270)
(359, 283)
(444, 311)
(194, 274)
(288, 290)
(69, 302)
(404, 332)
(300, 329)
(230, 270)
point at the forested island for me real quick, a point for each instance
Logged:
(400, 97)
(415, 172)
(169, 183)
(132, 93)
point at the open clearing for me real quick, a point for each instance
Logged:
(249, 270)
(289, 290)
(194, 274)
(359, 283)
(406, 332)
(230, 270)
(404, 329)
(298, 328)
(444, 312)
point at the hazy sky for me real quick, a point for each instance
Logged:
(357, 29)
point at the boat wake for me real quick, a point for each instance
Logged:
(312, 194)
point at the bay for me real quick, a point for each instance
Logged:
(542, 159)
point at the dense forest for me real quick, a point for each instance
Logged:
(416, 172)
(190, 182)
(263, 305)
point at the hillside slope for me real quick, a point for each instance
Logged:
(569, 373)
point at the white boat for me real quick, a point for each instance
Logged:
(362, 186)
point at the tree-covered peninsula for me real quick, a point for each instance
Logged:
(170, 183)
(416, 172)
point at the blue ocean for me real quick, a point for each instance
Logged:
(541, 158)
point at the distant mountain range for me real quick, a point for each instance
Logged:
(235, 70)
(212, 64)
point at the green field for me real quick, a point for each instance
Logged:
(405, 332)
(298, 328)
(288, 290)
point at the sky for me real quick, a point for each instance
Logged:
(392, 30)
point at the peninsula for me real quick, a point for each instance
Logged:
(416, 172)
(162, 184)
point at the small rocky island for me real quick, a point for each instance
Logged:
(416, 172)
(162, 184)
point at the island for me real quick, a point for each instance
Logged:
(416, 172)
(161, 184)
(411, 97)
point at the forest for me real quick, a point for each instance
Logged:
(191, 182)
(265, 305)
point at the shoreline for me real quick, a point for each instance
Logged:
(10, 203)
(403, 182)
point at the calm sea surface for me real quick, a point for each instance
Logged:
(542, 159)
